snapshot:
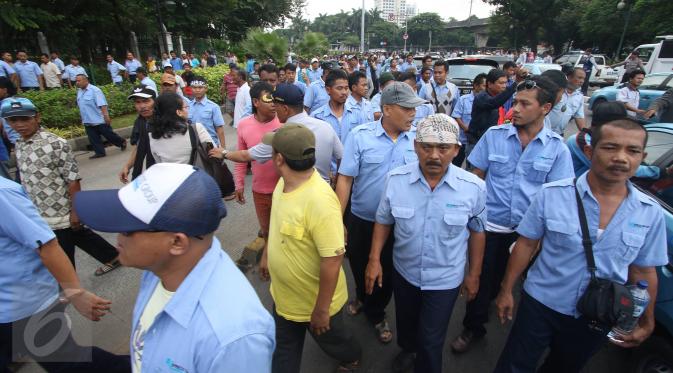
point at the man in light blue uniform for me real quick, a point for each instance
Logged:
(462, 112)
(71, 71)
(206, 112)
(357, 83)
(408, 63)
(30, 262)
(315, 72)
(176, 62)
(57, 61)
(7, 70)
(8, 90)
(515, 160)
(145, 80)
(571, 105)
(195, 311)
(438, 211)
(131, 65)
(385, 79)
(628, 234)
(115, 68)
(96, 117)
(370, 152)
(29, 73)
(316, 95)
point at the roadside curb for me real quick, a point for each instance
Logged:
(81, 143)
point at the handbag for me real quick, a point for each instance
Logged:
(212, 166)
(605, 303)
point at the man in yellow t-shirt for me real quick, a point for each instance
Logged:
(304, 256)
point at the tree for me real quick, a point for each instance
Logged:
(419, 28)
(313, 44)
(264, 45)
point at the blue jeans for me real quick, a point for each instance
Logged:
(537, 327)
(94, 133)
(422, 318)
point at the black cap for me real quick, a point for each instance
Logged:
(141, 70)
(142, 91)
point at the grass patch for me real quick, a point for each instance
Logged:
(125, 120)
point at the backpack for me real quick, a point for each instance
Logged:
(212, 166)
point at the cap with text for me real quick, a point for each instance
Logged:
(294, 141)
(142, 91)
(438, 129)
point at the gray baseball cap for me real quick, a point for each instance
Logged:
(399, 93)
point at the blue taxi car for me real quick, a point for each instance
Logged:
(654, 85)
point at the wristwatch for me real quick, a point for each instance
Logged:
(224, 153)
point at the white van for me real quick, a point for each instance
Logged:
(657, 58)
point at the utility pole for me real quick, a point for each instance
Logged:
(362, 29)
(430, 43)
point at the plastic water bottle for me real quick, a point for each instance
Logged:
(641, 298)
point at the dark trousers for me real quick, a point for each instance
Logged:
(585, 86)
(458, 161)
(338, 343)
(87, 240)
(359, 244)
(496, 255)
(65, 356)
(26, 89)
(571, 342)
(422, 318)
(94, 132)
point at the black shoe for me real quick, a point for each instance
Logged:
(123, 146)
(404, 362)
(463, 342)
(97, 156)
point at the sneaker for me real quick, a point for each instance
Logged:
(463, 341)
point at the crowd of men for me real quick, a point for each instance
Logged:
(427, 193)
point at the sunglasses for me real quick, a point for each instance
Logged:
(526, 84)
(267, 98)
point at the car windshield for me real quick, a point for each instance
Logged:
(653, 81)
(645, 53)
(658, 143)
(467, 71)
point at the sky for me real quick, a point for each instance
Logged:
(458, 9)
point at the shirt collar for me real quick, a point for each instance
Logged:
(29, 140)
(379, 131)
(449, 177)
(583, 188)
(543, 135)
(185, 300)
(202, 101)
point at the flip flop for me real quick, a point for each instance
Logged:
(354, 307)
(107, 267)
(348, 367)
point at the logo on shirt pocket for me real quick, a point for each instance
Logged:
(175, 367)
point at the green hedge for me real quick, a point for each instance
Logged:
(59, 110)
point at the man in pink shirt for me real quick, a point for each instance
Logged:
(228, 89)
(250, 133)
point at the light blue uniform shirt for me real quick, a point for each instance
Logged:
(431, 226)
(376, 103)
(9, 131)
(582, 164)
(6, 69)
(364, 105)
(208, 114)
(369, 154)
(213, 323)
(405, 66)
(515, 175)
(89, 101)
(132, 66)
(423, 111)
(302, 86)
(558, 118)
(351, 118)
(558, 278)
(59, 63)
(463, 110)
(316, 96)
(71, 72)
(27, 286)
(148, 82)
(314, 75)
(28, 73)
(115, 68)
(176, 63)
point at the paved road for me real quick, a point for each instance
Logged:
(235, 231)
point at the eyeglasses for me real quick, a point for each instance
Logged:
(526, 84)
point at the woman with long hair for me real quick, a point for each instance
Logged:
(169, 136)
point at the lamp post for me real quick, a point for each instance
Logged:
(620, 6)
(362, 29)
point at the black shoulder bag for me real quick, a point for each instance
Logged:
(604, 303)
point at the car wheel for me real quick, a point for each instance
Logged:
(653, 356)
(597, 102)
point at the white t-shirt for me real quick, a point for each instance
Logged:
(242, 100)
(177, 148)
(630, 97)
(158, 301)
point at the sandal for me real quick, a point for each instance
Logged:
(354, 307)
(107, 267)
(385, 334)
(348, 367)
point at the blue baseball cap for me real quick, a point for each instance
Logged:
(166, 197)
(17, 107)
(288, 94)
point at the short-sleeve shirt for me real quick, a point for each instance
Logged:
(629, 96)
(132, 66)
(90, 100)
(431, 226)
(463, 110)
(636, 235)
(71, 72)
(28, 73)
(314, 75)
(570, 106)
(6, 69)
(149, 83)
(115, 68)
(51, 72)
(27, 286)
(47, 166)
(305, 227)
(59, 63)
(514, 175)
(369, 154)
(316, 96)
(207, 113)
(351, 117)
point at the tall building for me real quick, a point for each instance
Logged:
(397, 11)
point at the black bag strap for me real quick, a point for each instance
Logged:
(586, 238)
(434, 96)
(192, 140)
